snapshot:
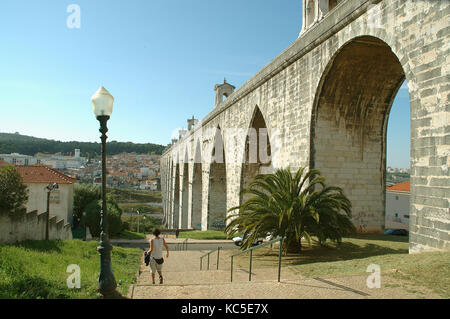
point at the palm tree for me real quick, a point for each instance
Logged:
(292, 206)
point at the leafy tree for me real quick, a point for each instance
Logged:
(13, 193)
(93, 217)
(294, 207)
(83, 196)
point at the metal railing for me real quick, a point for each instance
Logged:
(182, 246)
(251, 257)
(207, 255)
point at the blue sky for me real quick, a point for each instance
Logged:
(159, 59)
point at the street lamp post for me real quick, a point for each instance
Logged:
(103, 101)
(49, 188)
(138, 220)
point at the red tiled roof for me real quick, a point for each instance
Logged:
(400, 187)
(43, 174)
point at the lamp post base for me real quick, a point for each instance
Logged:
(106, 281)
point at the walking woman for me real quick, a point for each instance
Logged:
(156, 258)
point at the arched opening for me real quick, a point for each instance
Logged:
(176, 198)
(196, 222)
(257, 154)
(185, 194)
(397, 212)
(170, 197)
(349, 121)
(217, 199)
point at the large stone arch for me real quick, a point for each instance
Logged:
(176, 196)
(184, 210)
(349, 122)
(197, 188)
(256, 157)
(217, 191)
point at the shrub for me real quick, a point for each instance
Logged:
(293, 206)
(13, 193)
(145, 225)
(113, 220)
(83, 196)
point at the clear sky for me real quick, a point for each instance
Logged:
(159, 59)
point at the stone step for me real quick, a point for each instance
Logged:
(216, 276)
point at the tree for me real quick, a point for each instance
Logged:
(113, 217)
(83, 196)
(13, 193)
(294, 207)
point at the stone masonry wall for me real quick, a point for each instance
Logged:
(31, 226)
(302, 107)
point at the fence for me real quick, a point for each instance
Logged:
(208, 254)
(251, 257)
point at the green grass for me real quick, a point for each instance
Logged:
(129, 195)
(37, 269)
(126, 234)
(209, 234)
(355, 254)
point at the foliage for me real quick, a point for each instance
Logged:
(146, 225)
(38, 269)
(141, 207)
(29, 145)
(113, 220)
(208, 234)
(83, 196)
(126, 234)
(129, 195)
(13, 193)
(292, 206)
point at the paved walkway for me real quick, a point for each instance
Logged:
(184, 280)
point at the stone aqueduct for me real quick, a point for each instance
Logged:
(327, 99)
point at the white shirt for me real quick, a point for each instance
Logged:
(157, 248)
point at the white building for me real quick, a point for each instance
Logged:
(58, 161)
(397, 206)
(37, 178)
(19, 159)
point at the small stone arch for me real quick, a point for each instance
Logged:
(217, 192)
(257, 154)
(197, 187)
(184, 211)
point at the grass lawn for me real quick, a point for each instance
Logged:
(209, 234)
(37, 269)
(355, 254)
(126, 234)
(130, 195)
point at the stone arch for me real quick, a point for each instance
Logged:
(176, 196)
(185, 192)
(169, 192)
(349, 123)
(257, 155)
(197, 188)
(217, 194)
